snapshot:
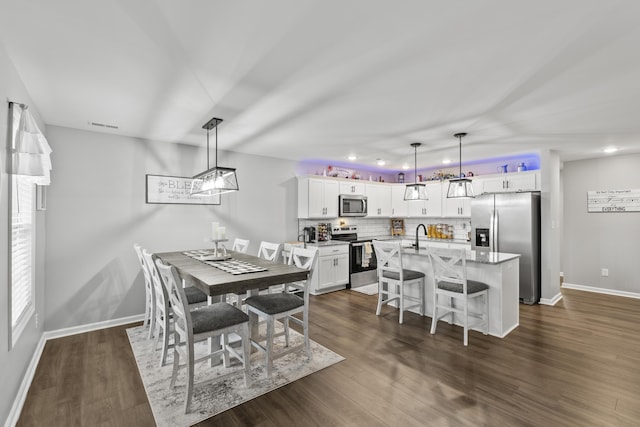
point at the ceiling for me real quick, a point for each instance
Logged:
(320, 80)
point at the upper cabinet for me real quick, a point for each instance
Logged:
(432, 207)
(517, 181)
(317, 198)
(457, 208)
(399, 206)
(379, 199)
(352, 188)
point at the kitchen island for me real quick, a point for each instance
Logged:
(498, 270)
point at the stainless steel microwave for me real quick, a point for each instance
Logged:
(351, 205)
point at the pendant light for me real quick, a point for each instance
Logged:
(460, 188)
(416, 191)
(216, 180)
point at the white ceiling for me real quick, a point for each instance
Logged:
(319, 80)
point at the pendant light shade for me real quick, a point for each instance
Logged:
(460, 188)
(416, 191)
(216, 180)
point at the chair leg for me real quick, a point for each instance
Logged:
(380, 292)
(466, 321)
(225, 352)
(176, 360)
(190, 376)
(152, 320)
(305, 330)
(285, 323)
(165, 341)
(270, 330)
(246, 354)
(486, 313)
(434, 319)
(401, 303)
(422, 297)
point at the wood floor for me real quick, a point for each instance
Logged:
(577, 363)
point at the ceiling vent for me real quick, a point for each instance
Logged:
(102, 125)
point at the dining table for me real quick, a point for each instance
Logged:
(216, 282)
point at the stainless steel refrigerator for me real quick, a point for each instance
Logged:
(510, 222)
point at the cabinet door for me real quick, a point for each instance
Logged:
(352, 188)
(521, 182)
(455, 208)
(342, 269)
(316, 198)
(434, 203)
(331, 191)
(399, 206)
(493, 185)
(326, 272)
(417, 208)
(379, 199)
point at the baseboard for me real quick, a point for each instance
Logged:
(18, 403)
(551, 301)
(601, 290)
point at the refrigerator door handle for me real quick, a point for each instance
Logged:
(496, 230)
(491, 231)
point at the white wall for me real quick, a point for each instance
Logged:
(550, 227)
(593, 241)
(14, 363)
(96, 212)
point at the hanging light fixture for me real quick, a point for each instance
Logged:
(216, 180)
(416, 191)
(461, 188)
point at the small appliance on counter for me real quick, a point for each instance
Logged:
(309, 234)
(324, 232)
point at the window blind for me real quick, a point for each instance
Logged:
(22, 234)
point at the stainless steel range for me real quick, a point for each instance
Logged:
(362, 258)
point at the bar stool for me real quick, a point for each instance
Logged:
(450, 281)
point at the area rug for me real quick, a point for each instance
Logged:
(210, 399)
(371, 289)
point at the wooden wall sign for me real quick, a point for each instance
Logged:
(613, 201)
(174, 190)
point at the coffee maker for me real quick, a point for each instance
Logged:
(309, 234)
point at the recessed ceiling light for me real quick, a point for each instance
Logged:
(405, 166)
(446, 161)
(610, 150)
(352, 157)
(380, 162)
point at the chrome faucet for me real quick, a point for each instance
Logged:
(418, 229)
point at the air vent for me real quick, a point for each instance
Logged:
(102, 125)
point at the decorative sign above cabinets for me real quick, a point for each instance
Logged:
(613, 201)
(175, 190)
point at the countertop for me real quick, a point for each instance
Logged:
(420, 238)
(328, 243)
(481, 257)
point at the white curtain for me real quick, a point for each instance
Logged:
(31, 151)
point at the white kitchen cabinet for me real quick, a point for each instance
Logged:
(352, 188)
(379, 199)
(457, 208)
(317, 198)
(517, 181)
(332, 269)
(399, 206)
(432, 207)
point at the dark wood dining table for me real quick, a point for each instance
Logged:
(216, 283)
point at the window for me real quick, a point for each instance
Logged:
(22, 248)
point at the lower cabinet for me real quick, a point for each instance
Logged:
(332, 269)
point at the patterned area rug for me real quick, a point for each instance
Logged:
(210, 399)
(371, 289)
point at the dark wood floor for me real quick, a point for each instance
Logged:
(577, 363)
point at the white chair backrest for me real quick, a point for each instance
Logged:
(240, 245)
(160, 291)
(303, 257)
(448, 265)
(269, 251)
(177, 298)
(389, 257)
(143, 264)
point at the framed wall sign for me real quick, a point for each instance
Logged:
(613, 201)
(175, 190)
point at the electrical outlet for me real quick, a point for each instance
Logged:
(605, 272)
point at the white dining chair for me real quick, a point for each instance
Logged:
(282, 306)
(451, 284)
(391, 272)
(240, 245)
(162, 324)
(149, 299)
(215, 320)
(267, 251)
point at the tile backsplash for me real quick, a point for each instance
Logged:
(374, 227)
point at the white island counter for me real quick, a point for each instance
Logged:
(498, 270)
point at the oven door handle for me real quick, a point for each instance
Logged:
(357, 244)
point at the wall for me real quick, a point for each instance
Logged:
(593, 241)
(96, 212)
(15, 362)
(550, 227)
